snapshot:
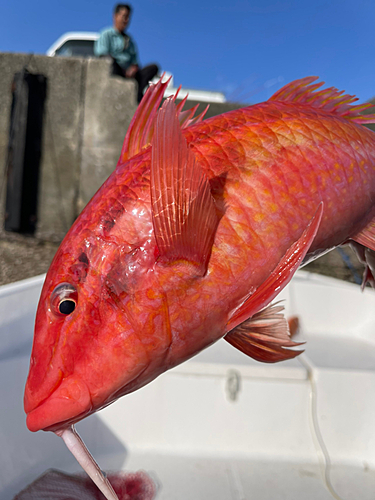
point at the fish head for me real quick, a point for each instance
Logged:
(108, 320)
(87, 349)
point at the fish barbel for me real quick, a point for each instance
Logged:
(190, 239)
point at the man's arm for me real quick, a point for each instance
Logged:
(133, 51)
(134, 65)
(102, 46)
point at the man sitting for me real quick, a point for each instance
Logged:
(117, 44)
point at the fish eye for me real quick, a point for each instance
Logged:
(67, 306)
(64, 299)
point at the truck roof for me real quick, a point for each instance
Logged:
(72, 36)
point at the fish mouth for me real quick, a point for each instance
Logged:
(68, 404)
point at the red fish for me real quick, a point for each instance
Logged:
(190, 239)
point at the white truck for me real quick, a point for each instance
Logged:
(81, 44)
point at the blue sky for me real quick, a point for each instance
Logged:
(248, 49)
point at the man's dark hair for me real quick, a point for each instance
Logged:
(121, 6)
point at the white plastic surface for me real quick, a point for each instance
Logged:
(18, 303)
(221, 425)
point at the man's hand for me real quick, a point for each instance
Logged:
(131, 71)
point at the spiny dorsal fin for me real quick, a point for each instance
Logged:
(187, 118)
(331, 99)
(183, 209)
(141, 128)
(265, 336)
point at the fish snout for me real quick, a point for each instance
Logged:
(68, 403)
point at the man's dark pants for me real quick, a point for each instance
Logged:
(143, 76)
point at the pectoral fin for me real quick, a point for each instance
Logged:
(267, 343)
(183, 209)
(280, 276)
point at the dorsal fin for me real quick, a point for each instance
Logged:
(303, 92)
(183, 209)
(141, 128)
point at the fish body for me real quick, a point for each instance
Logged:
(285, 159)
(150, 285)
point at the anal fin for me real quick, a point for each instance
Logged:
(363, 243)
(366, 236)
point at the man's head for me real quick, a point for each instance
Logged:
(121, 16)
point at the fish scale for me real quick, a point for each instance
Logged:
(308, 171)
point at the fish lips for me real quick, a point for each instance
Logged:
(68, 404)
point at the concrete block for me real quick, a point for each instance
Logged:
(110, 103)
(8, 66)
(62, 144)
(87, 114)
(62, 132)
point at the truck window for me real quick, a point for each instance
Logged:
(78, 48)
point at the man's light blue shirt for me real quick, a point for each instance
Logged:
(121, 47)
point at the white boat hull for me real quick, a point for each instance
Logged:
(221, 426)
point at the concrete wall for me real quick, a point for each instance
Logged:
(110, 103)
(87, 113)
